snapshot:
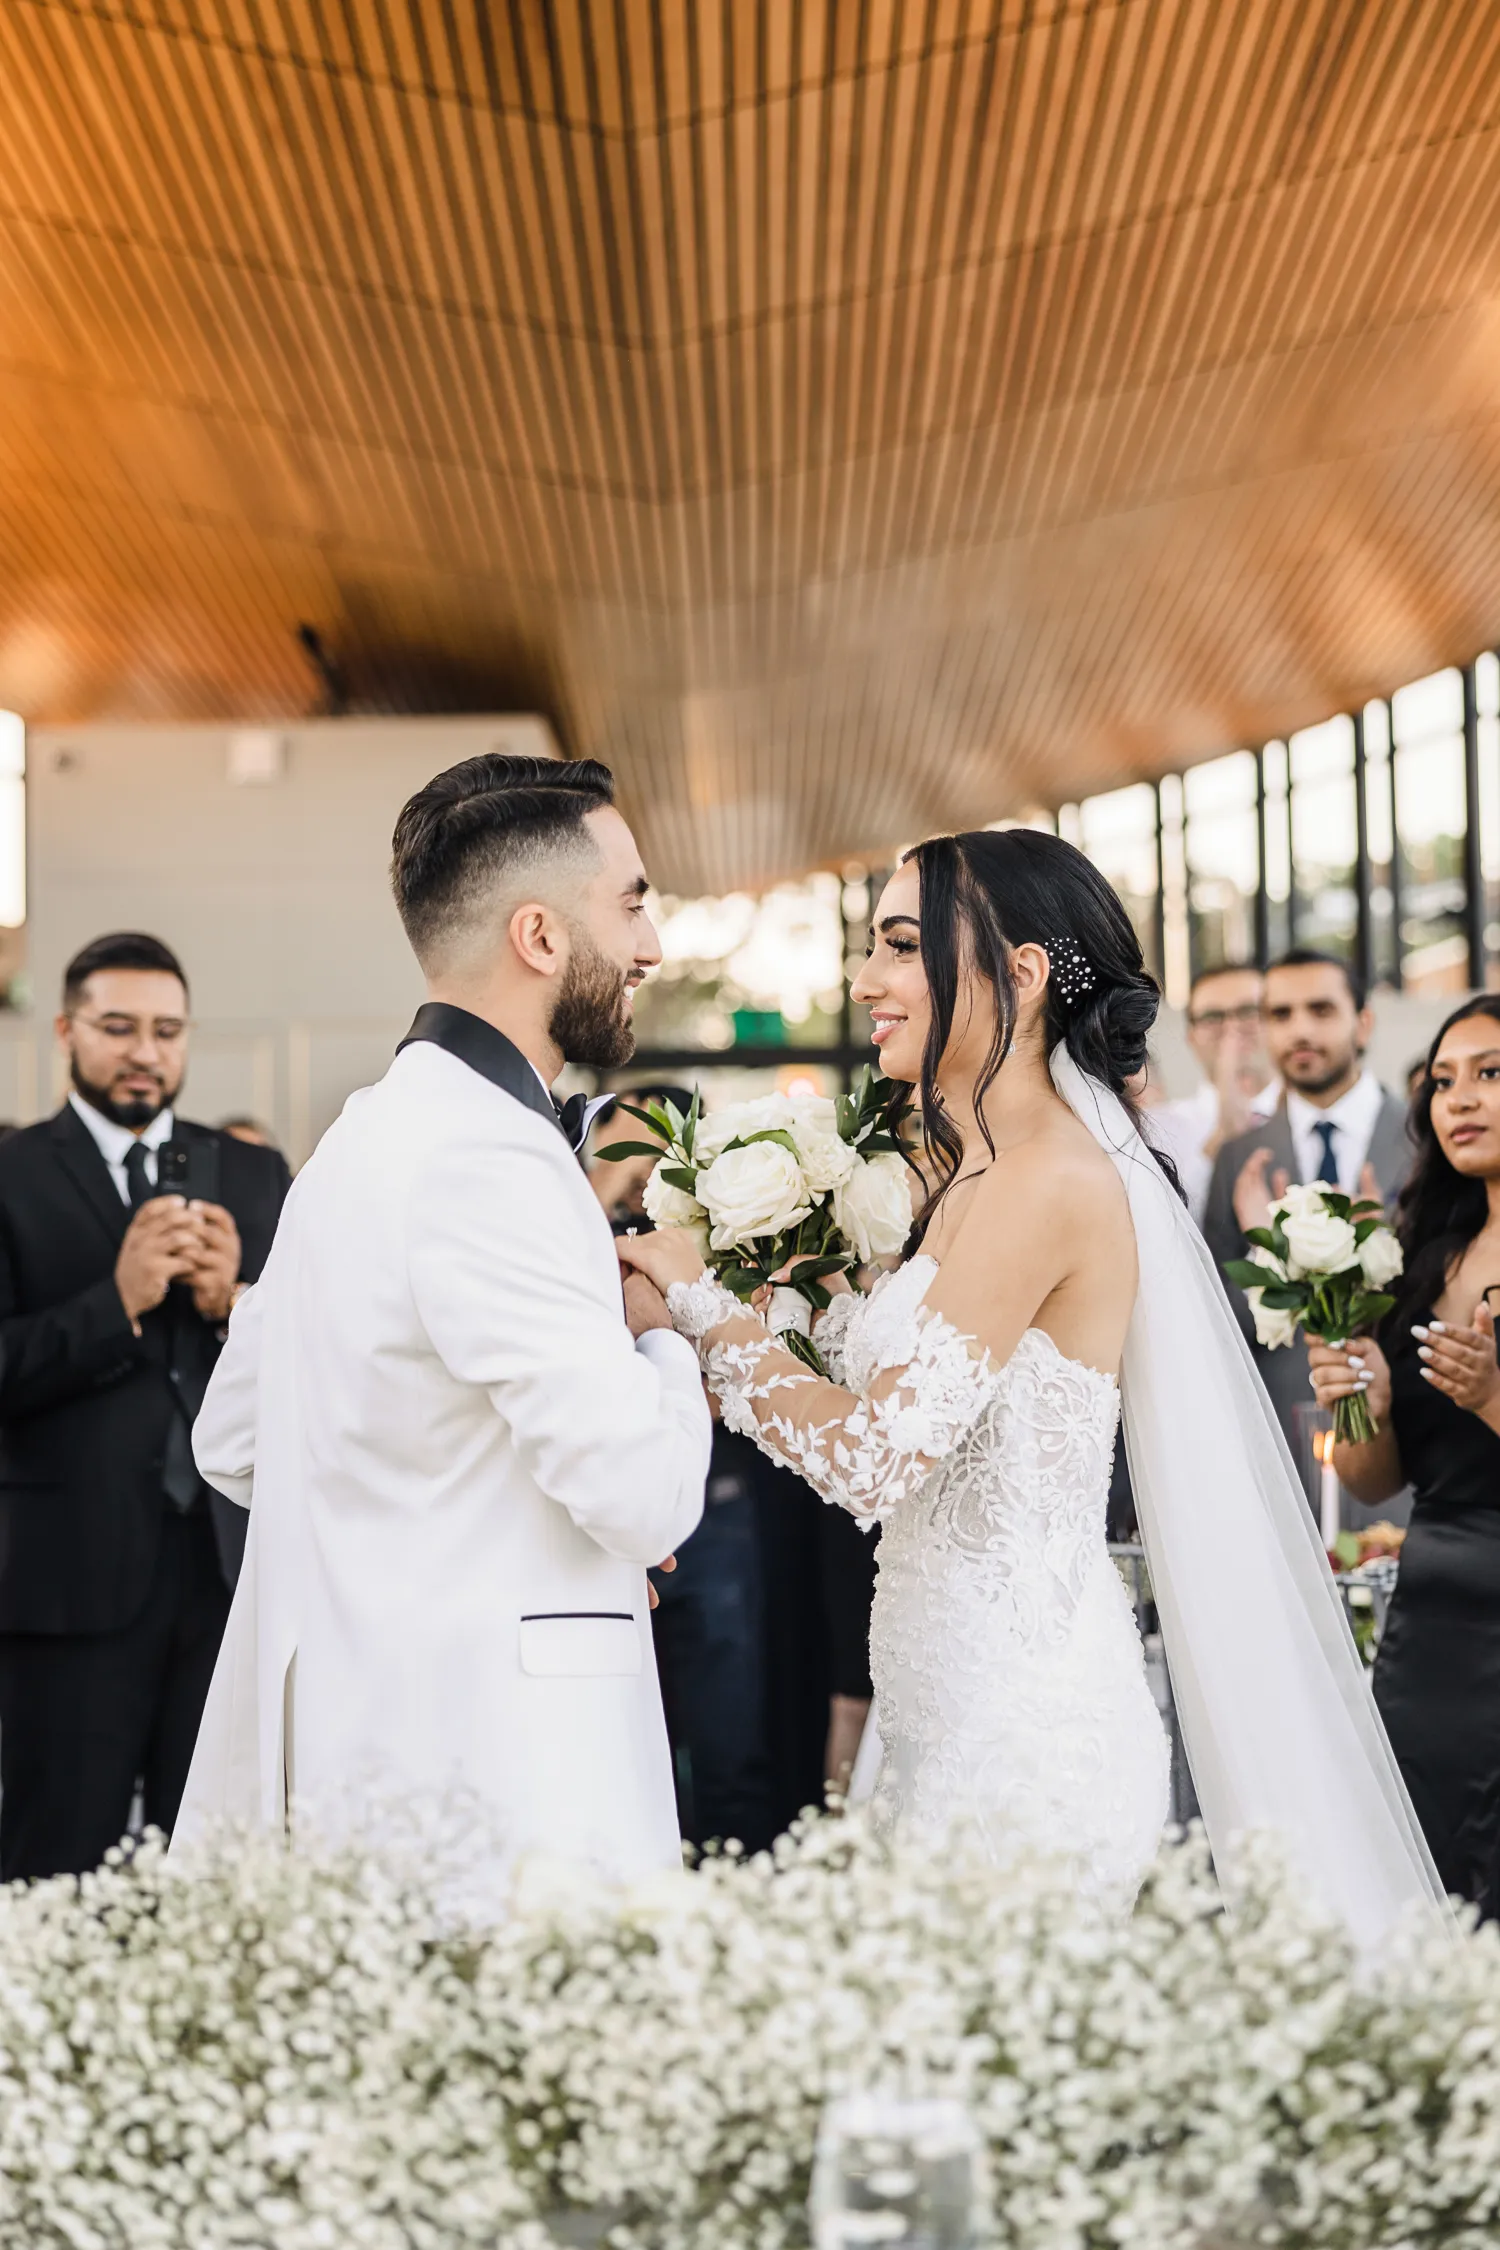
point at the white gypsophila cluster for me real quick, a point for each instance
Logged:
(308, 2054)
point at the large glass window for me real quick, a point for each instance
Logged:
(1280, 929)
(1431, 821)
(1323, 837)
(1118, 831)
(1223, 863)
(1380, 827)
(1487, 683)
(740, 971)
(12, 821)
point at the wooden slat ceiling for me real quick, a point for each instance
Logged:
(851, 417)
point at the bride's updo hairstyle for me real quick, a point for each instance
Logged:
(983, 894)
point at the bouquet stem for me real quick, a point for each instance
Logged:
(1353, 1423)
(803, 1348)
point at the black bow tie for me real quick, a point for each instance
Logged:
(574, 1118)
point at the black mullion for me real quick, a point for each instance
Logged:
(1474, 914)
(1364, 931)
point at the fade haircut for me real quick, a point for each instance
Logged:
(480, 832)
(1312, 957)
(122, 949)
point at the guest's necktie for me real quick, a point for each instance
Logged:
(1328, 1170)
(136, 1178)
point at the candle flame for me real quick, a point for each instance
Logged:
(1325, 1446)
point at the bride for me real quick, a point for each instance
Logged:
(1052, 1275)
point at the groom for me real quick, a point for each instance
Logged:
(459, 1455)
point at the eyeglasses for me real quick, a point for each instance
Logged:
(1214, 1019)
(165, 1031)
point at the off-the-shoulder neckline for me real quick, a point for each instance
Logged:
(925, 1258)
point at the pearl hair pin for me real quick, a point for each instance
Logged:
(1072, 971)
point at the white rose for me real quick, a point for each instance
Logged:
(1267, 1258)
(753, 1191)
(668, 1206)
(1380, 1258)
(826, 1160)
(872, 1208)
(1272, 1328)
(1302, 1196)
(768, 1113)
(1317, 1242)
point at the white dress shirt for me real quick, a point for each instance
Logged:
(114, 1142)
(1353, 1117)
(1183, 1129)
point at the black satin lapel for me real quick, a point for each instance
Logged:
(78, 1154)
(473, 1041)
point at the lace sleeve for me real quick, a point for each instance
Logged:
(866, 1450)
(828, 1331)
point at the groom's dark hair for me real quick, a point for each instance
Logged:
(477, 827)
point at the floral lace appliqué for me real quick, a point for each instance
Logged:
(1010, 1684)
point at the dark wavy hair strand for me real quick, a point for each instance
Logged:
(1440, 1211)
(985, 892)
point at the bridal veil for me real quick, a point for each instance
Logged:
(1277, 1716)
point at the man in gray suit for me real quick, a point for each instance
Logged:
(1334, 1122)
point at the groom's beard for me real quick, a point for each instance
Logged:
(590, 1021)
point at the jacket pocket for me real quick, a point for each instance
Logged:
(580, 1644)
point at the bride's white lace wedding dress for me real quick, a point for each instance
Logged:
(1010, 1684)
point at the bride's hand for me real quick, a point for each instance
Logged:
(670, 1254)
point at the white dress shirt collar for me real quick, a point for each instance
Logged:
(115, 1141)
(1353, 1117)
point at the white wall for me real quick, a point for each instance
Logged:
(274, 893)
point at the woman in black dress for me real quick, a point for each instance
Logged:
(1433, 1388)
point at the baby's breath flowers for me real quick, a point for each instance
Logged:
(310, 2053)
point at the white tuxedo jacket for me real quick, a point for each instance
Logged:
(461, 1466)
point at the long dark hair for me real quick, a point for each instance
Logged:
(1440, 1211)
(999, 889)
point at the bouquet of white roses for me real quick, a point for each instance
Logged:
(790, 1185)
(1322, 1264)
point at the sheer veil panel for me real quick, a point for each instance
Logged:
(1279, 1723)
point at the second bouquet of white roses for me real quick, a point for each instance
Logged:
(795, 1186)
(1322, 1265)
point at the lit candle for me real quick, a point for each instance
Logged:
(1328, 1491)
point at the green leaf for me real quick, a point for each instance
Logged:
(1261, 1237)
(690, 1124)
(771, 1133)
(619, 1149)
(813, 1269)
(742, 1281)
(678, 1176)
(1285, 1296)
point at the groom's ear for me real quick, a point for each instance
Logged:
(539, 938)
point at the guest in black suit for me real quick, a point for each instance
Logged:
(125, 1235)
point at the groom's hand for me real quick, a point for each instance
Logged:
(645, 1306)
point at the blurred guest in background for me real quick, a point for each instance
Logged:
(1224, 1032)
(249, 1130)
(125, 1235)
(1334, 1122)
(709, 1622)
(763, 1630)
(1433, 1388)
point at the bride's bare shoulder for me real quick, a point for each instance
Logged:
(1061, 1169)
